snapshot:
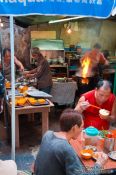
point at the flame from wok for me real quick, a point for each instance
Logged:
(85, 69)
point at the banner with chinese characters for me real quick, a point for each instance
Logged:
(95, 8)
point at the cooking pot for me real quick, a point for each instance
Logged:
(85, 87)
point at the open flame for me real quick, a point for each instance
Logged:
(85, 69)
(85, 81)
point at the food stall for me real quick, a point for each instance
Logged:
(28, 100)
(52, 8)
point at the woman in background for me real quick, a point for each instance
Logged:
(7, 63)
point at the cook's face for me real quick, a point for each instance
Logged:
(77, 130)
(7, 55)
(102, 94)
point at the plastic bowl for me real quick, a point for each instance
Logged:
(86, 154)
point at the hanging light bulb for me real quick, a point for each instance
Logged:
(1, 25)
(69, 30)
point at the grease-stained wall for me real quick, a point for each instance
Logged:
(92, 31)
(89, 32)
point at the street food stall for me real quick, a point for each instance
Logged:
(53, 8)
(28, 100)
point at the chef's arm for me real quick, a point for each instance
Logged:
(103, 60)
(40, 69)
(107, 62)
(19, 64)
(33, 71)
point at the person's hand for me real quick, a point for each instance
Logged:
(25, 72)
(84, 105)
(104, 117)
(102, 158)
(32, 167)
(104, 114)
(21, 68)
(27, 75)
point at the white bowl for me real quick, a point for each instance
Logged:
(104, 112)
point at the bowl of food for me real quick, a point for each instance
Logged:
(86, 153)
(104, 113)
(90, 147)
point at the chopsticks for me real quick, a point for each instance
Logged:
(95, 106)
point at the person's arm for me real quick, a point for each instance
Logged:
(103, 60)
(40, 69)
(33, 71)
(74, 166)
(28, 75)
(37, 72)
(113, 112)
(112, 116)
(19, 64)
(82, 105)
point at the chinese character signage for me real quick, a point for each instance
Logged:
(95, 8)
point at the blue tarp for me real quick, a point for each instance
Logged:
(95, 8)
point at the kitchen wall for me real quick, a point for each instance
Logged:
(92, 31)
(87, 33)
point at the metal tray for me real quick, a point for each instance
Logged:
(37, 93)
